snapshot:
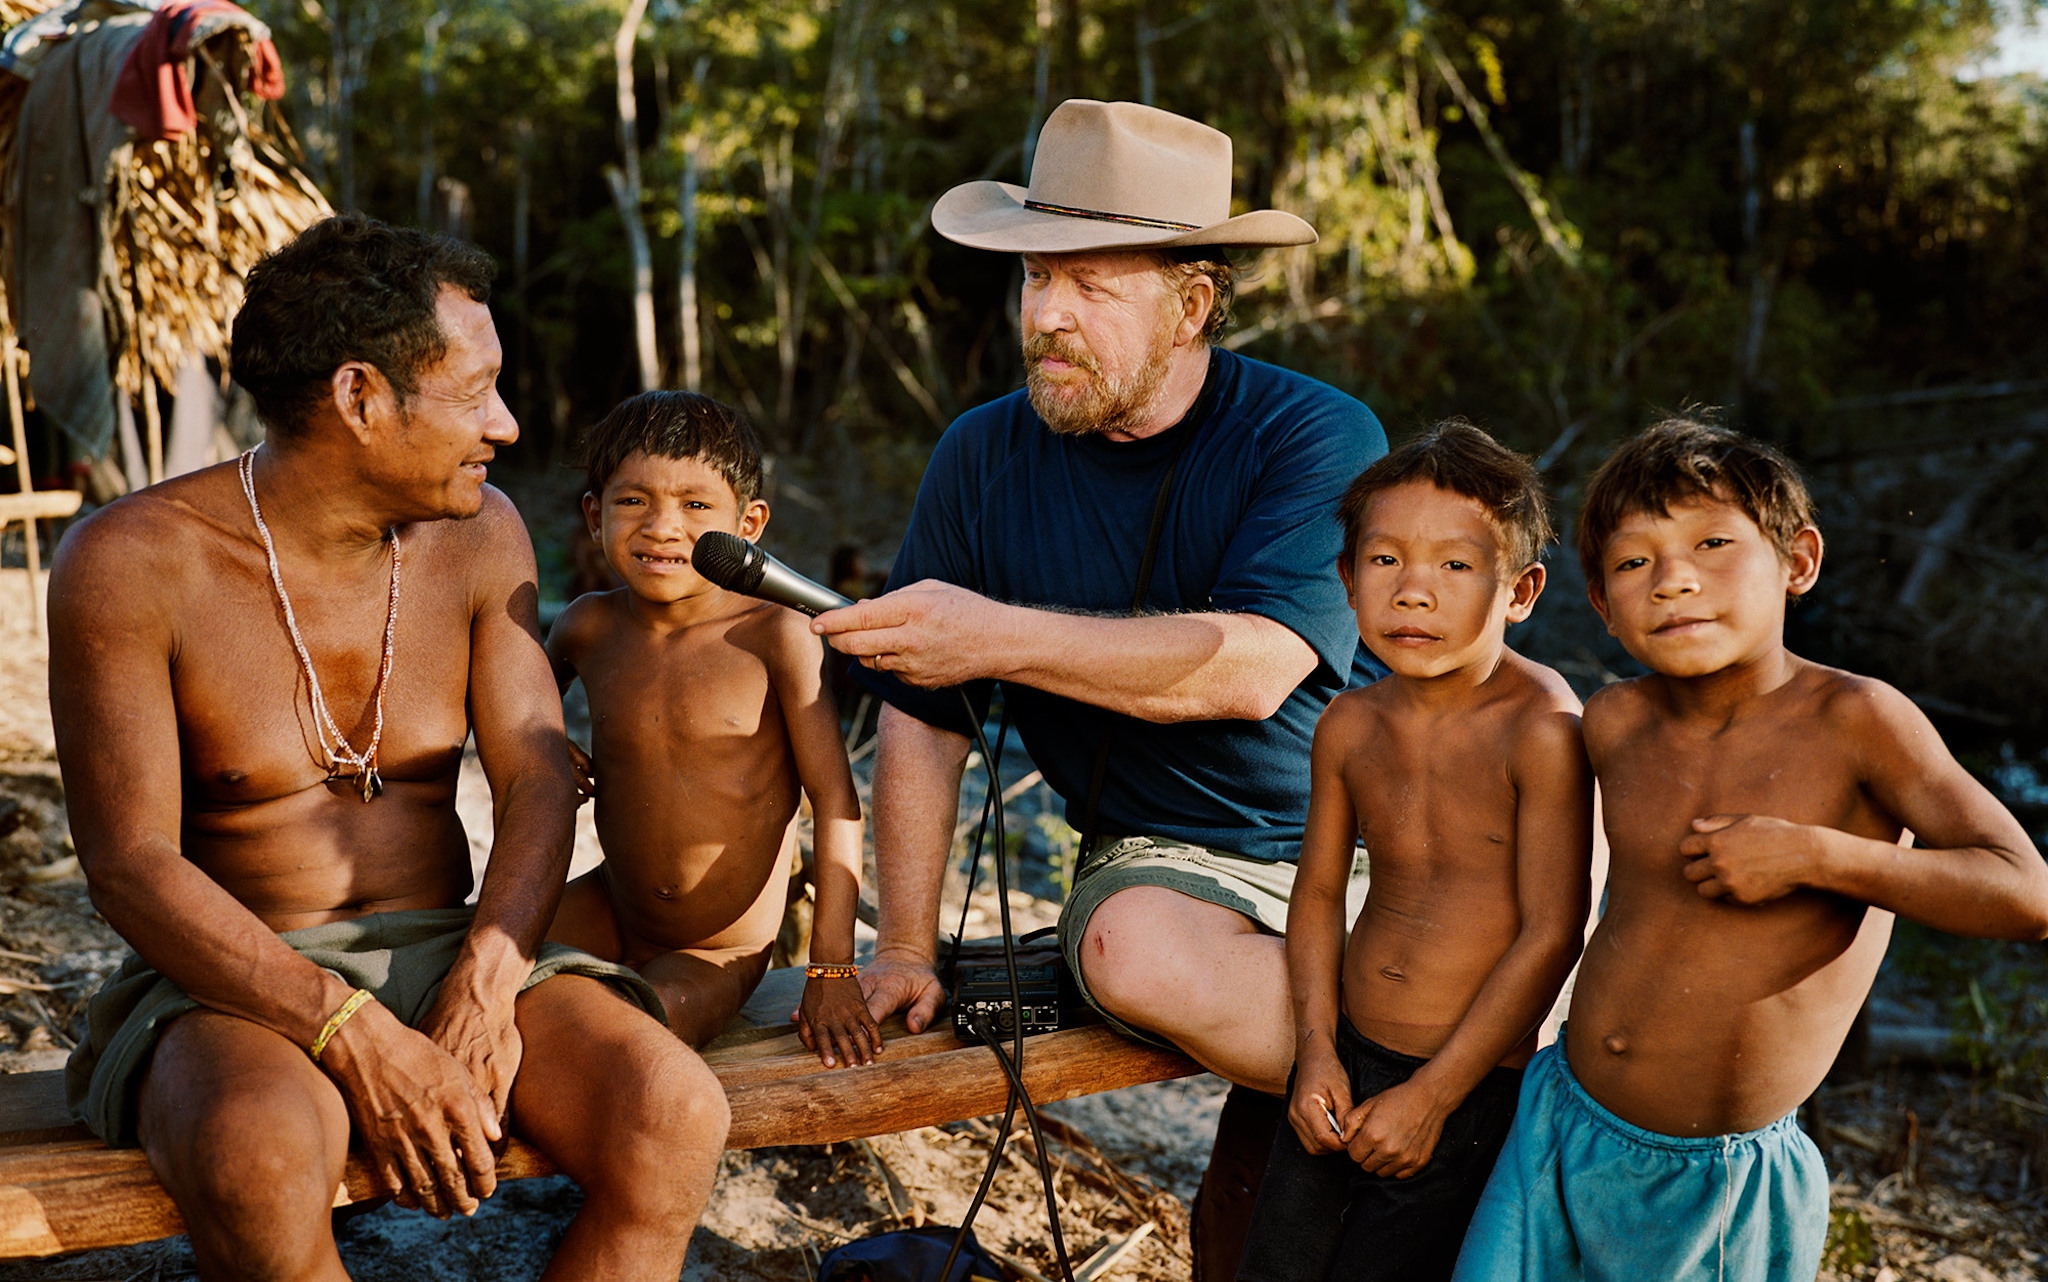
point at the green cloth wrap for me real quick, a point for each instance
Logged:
(402, 957)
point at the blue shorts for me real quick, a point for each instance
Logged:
(1579, 1194)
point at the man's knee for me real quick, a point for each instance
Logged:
(616, 1100)
(677, 1097)
(1134, 953)
(667, 1121)
(250, 1153)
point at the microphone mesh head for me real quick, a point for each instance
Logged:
(723, 558)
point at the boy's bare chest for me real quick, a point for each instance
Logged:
(1433, 799)
(1660, 781)
(679, 689)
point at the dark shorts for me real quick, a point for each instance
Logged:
(399, 956)
(1322, 1219)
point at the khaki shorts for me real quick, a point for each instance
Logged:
(1255, 887)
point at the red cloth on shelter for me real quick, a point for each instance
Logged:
(152, 93)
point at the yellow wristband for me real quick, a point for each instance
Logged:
(831, 970)
(338, 1018)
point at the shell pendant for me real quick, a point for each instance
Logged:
(364, 777)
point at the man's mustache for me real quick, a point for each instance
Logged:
(1039, 346)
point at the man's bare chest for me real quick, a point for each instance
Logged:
(250, 701)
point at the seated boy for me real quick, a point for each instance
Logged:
(707, 710)
(1465, 776)
(1754, 807)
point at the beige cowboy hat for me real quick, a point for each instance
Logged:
(1115, 175)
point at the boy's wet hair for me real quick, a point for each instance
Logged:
(675, 425)
(1458, 457)
(1683, 458)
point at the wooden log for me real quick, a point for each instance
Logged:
(62, 1190)
(927, 1079)
(32, 1110)
(39, 505)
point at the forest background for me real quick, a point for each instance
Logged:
(1555, 217)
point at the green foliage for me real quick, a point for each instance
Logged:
(1996, 995)
(1851, 1245)
(2003, 1026)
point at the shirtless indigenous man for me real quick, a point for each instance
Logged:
(262, 677)
(707, 711)
(1755, 803)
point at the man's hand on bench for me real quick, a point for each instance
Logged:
(902, 981)
(425, 1125)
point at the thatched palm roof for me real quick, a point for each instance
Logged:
(184, 219)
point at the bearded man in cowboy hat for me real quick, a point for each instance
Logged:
(1140, 546)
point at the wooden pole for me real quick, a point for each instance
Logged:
(153, 429)
(16, 417)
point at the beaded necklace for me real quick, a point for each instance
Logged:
(343, 760)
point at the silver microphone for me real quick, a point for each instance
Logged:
(738, 566)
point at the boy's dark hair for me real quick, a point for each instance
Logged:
(675, 425)
(348, 288)
(1684, 458)
(1456, 456)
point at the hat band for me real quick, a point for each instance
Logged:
(1102, 216)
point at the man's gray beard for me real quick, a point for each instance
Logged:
(1103, 406)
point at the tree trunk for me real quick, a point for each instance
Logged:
(1041, 86)
(626, 193)
(690, 331)
(1068, 84)
(430, 53)
(778, 161)
(341, 119)
(849, 36)
(522, 269)
(1148, 80)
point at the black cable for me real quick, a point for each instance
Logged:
(988, 1177)
(1013, 1070)
(989, 801)
(1052, 1209)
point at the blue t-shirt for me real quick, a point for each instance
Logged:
(1016, 512)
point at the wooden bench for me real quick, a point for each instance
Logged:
(62, 1190)
(28, 507)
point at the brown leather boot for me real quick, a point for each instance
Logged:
(1223, 1205)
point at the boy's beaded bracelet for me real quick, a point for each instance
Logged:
(341, 1016)
(831, 970)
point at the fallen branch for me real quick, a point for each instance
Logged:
(1099, 1264)
(1563, 241)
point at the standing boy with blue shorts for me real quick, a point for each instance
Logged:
(1466, 777)
(1755, 804)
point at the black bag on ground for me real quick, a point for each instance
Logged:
(908, 1255)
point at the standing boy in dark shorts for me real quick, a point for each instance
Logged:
(707, 711)
(1755, 804)
(1465, 776)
